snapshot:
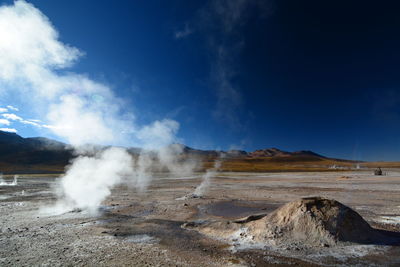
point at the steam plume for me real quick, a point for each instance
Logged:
(88, 180)
(205, 184)
(4, 183)
(77, 109)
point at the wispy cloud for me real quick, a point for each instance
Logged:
(11, 116)
(185, 32)
(12, 108)
(10, 130)
(222, 23)
(15, 118)
(31, 123)
(3, 110)
(225, 19)
(35, 120)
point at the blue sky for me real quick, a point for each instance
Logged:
(241, 74)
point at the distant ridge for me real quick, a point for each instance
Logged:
(42, 143)
(267, 152)
(44, 155)
(32, 155)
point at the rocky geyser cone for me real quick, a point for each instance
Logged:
(312, 221)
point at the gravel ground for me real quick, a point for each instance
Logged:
(144, 229)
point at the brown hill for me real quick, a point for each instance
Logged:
(269, 152)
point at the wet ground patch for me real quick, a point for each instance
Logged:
(235, 209)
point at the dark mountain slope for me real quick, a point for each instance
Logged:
(20, 154)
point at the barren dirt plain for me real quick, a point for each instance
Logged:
(145, 229)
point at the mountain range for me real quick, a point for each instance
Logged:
(43, 155)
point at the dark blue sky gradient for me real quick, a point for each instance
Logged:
(315, 75)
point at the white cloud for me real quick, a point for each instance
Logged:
(73, 106)
(79, 109)
(12, 108)
(29, 45)
(14, 117)
(10, 130)
(31, 123)
(34, 120)
(3, 110)
(11, 116)
(48, 126)
(4, 122)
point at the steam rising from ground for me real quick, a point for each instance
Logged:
(205, 184)
(79, 110)
(5, 183)
(89, 179)
(203, 187)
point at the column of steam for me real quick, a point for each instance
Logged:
(75, 108)
(89, 179)
(13, 183)
(205, 184)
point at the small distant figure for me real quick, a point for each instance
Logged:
(378, 171)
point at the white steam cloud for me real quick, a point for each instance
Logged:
(89, 179)
(206, 179)
(77, 109)
(5, 183)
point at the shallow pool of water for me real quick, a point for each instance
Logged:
(236, 209)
